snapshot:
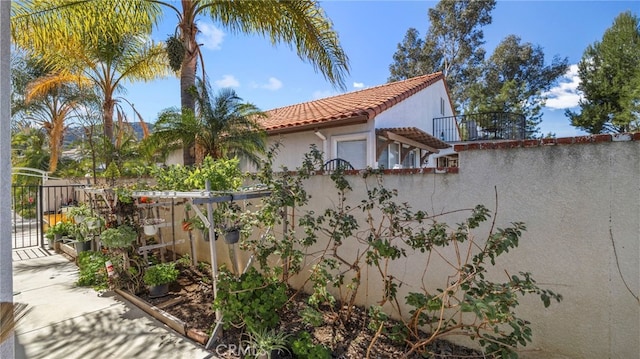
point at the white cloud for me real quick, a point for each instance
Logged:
(358, 85)
(227, 81)
(274, 84)
(565, 94)
(210, 36)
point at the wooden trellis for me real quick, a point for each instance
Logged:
(208, 198)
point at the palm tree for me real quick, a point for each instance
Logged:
(50, 101)
(222, 126)
(36, 100)
(29, 149)
(107, 55)
(300, 23)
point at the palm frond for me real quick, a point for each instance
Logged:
(301, 24)
(10, 315)
(48, 24)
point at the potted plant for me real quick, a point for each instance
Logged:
(231, 219)
(57, 231)
(232, 234)
(93, 223)
(158, 277)
(79, 213)
(118, 237)
(82, 236)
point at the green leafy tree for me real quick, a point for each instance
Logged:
(409, 60)
(453, 45)
(223, 126)
(610, 80)
(515, 80)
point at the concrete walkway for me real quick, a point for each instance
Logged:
(65, 321)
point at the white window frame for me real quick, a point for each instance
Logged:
(366, 136)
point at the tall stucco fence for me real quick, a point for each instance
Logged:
(578, 201)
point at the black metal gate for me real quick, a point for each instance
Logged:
(33, 208)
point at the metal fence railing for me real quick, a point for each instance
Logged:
(33, 208)
(481, 126)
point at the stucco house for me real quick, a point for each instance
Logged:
(388, 125)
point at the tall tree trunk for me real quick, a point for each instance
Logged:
(107, 108)
(188, 31)
(55, 142)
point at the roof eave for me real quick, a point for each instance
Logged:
(339, 122)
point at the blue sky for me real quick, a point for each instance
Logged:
(369, 32)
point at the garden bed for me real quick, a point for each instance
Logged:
(187, 309)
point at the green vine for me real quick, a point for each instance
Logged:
(252, 300)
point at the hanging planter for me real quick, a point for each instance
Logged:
(151, 225)
(150, 229)
(232, 236)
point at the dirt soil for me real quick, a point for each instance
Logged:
(190, 299)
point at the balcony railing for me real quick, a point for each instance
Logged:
(481, 126)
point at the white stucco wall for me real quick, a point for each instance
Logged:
(418, 110)
(576, 200)
(295, 145)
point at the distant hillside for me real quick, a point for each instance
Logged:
(73, 134)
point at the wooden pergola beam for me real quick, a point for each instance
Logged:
(395, 137)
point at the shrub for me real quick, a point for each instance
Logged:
(119, 237)
(92, 270)
(252, 299)
(160, 274)
(303, 347)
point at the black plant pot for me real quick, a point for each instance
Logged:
(232, 236)
(157, 291)
(82, 246)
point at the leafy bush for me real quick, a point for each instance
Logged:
(61, 228)
(118, 237)
(92, 270)
(222, 174)
(303, 347)
(159, 274)
(252, 299)
(311, 316)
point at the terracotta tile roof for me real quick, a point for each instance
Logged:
(415, 134)
(364, 105)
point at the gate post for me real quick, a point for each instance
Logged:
(7, 349)
(40, 214)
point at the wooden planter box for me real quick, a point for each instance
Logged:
(166, 318)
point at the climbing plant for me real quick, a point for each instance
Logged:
(385, 231)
